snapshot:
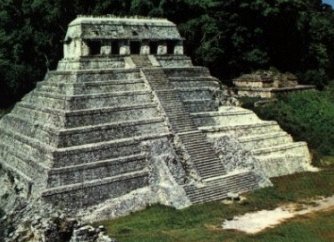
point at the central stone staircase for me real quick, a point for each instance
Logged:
(141, 60)
(215, 183)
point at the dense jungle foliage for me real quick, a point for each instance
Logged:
(229, 36)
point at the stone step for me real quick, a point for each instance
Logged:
(26, 182)
(202, 156)
(96, 191)
(221, 193)
(180, 118)
(199, 149)
(96, 170)
(44, 154)
(182, 129)
(92, 87)
(209, 169)
(21, 161)
(284, 149)
(205, 147)
(92, 63)
(186, 72)
(50, 101)
(173, 60)
(14, 142)
(53, 117)
(158, 85)
(195, 105)
(171, 100)
(241, 130)
(79, 102)
(179, 107)
(101, 151)
(86, 134)
(206, 172)
(196, 93)
(193, 79)
(195, 142)
(202, 162)
(181, 126)
(218, 188)
(31, 128)
(195, 85)
(94, 75)
(279, 165)
(265, 140)
(221, 184)
(141, 60)
(174, 107)
(207, 163)
(121, 113)
(216, 183)
(177, 115)
(77, 118)
(226, 118)
(111, 131)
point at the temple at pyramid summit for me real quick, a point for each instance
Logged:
(128, 119)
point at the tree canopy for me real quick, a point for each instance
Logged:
(229, 36)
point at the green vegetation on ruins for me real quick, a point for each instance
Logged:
(308, 116)
(203, 222)
(230, 37)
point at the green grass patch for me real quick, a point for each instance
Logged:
(203, 222)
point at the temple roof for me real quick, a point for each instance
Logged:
(108, 27)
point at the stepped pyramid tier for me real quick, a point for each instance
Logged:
(126, 121)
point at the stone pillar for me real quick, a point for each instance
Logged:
(145, 48)
(82, 48)
(70, 50)
(124, 48)
(162, 48)
(106, 48)
(178, 49)
(67, 52)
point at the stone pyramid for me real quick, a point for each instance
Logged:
(126, 110)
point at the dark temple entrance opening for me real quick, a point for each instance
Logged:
(170, 47)
(94, 47)
(115, 48)
(153, 48)
(135, 47)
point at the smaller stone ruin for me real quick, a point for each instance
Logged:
(266, 84)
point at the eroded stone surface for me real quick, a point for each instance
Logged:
(266, 84)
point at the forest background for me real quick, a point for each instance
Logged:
(230, 37)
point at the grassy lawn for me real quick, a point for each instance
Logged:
(203, 222)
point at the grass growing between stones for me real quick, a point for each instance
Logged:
(203, 222)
